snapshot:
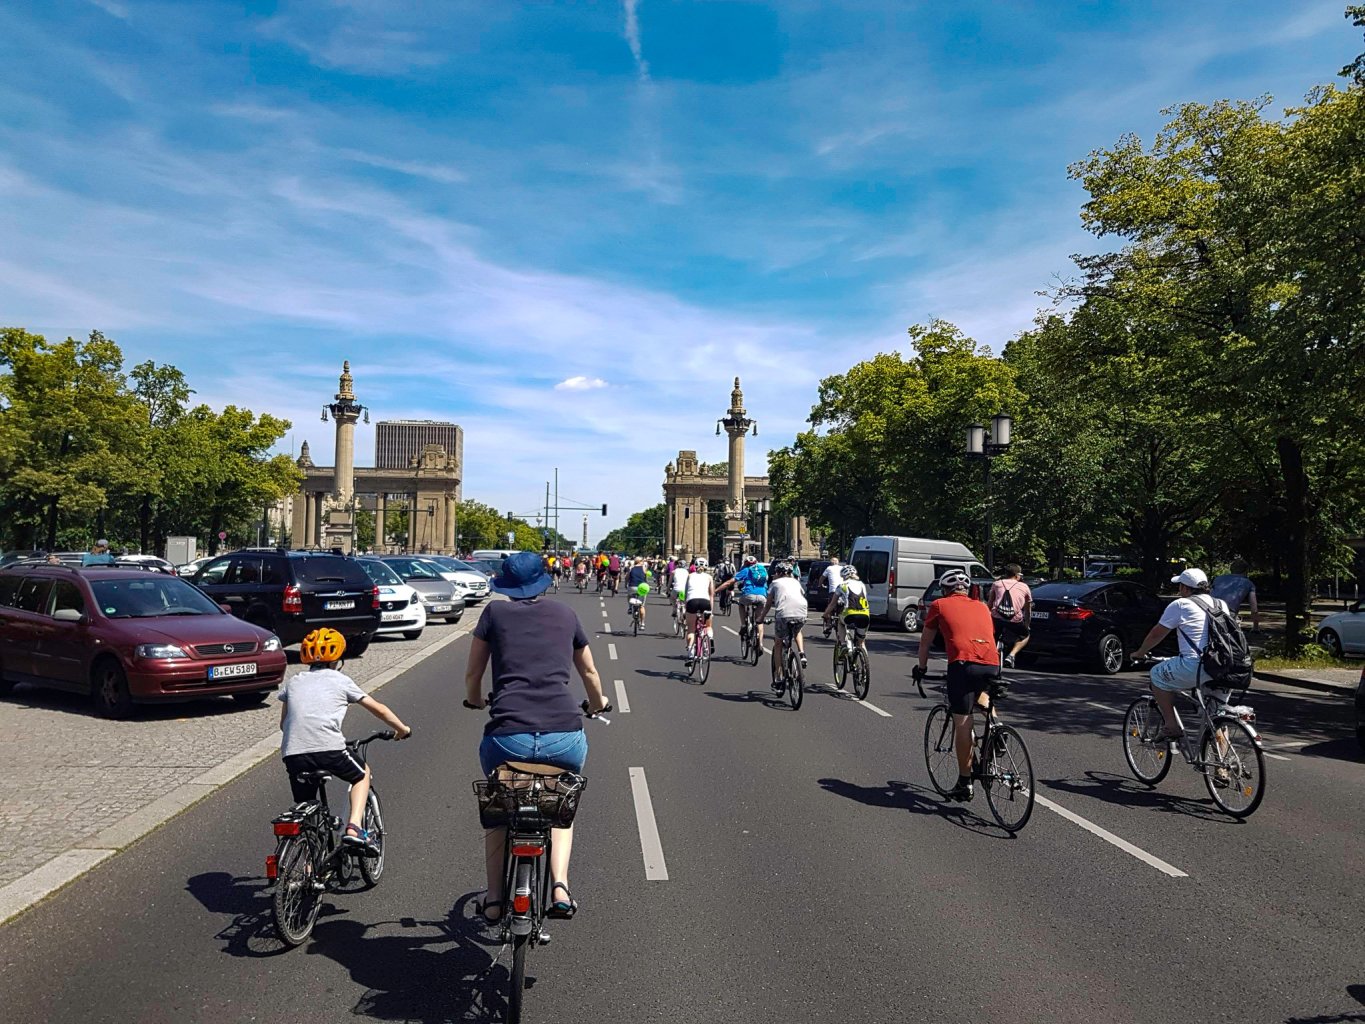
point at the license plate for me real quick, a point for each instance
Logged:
(338, 606)
(245, 668)
(1042, 615)
(392, 617)
(438, 608)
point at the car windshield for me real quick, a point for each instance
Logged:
(456, 564)
(150, 597)
(414, 568)
(382, 574)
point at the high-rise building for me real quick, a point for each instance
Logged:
(398, 442)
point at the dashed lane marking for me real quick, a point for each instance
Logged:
(873, 707)
(622, 701)
(611, 651)
(729, 630)
(1277, 757)
(606, 627)
(1109, 837)
(1102, 707)
(650, 846)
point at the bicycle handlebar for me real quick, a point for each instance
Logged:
(383, 734)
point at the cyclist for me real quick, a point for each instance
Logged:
(533, 644)
(580, 571)
(312, 706)
(637, 585)
(725, 572)
(848, 599)
(699, 590)
(678, 587)
(787, 601)
(751, 583)
(973, 663)
(1011, 605)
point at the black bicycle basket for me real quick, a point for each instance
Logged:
(525, 799)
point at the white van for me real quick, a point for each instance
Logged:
(897, 571)
(495, 555)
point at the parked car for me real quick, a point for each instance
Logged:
(1344, 632)
(10, 557)
(442, 598)
(148, 562)
(126, 636)
(494, 555)
(292, 593)
(400, 606)
(475, 582)
(1097, 622)
(489, 569)
(1360, 708)
(190, 568)
(897, 570)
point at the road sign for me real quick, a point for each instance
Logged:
(511, 537)
(222, 535)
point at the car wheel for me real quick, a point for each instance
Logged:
(1329, 639)
(1109, 654)
(253, 699)
(910, 619)
(412, 634)
(109, 690)
(357, 646)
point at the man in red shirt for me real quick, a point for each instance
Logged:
(973, 662)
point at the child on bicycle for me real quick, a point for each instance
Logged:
(312, 706)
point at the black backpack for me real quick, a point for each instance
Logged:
(1226, 658)
(1005, 609)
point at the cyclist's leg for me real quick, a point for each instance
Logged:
(777, 653)
(962, 694)
(1169, 677)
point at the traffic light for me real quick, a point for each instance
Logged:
(604, 509)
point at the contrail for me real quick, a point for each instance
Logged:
(633, 38)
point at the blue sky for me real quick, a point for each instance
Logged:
(567, 226)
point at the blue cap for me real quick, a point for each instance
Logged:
(523, 575)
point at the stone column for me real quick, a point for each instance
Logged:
(379, 513)
(703, 527)
(764, 549)
(299, 521)
(737, 425)
(668, 526)
(449, 542)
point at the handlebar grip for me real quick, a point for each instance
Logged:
(917, 673)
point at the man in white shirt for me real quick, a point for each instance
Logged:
(787, 601)
(832, 577)
(1188, 615)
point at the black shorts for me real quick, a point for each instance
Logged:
(697, 605)
(1010, 632)
(966, 681)
(856, 628)
(337, 763)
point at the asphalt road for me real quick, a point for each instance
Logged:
(812, 873)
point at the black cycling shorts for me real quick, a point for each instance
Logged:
(966, 681)
(1011, 632)
(697, 605)
(337, 763)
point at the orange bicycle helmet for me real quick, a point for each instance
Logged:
(322, 645)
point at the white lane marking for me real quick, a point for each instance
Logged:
(1109, 837)
(655, 868)
(1102, 707)
(622, 701)
(604, 613)
(873, 707)
(1277, 757)
(729, 630)
(611, 650)
(1290, 745)
(606, 627)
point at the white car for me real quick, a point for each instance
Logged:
(1344, 632)
(190, 568)
(474, 582)
(400, 606)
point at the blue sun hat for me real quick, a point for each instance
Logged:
(523, 576)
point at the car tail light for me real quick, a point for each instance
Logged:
(286, 828)
(272, 867)
(293, 600)
(891, 580)
(374, 603)
(527, 850)
(521, 903)
(1073, 614)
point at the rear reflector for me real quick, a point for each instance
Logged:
(527, 851)
(521, 904)
(272, 867)
(286, 828)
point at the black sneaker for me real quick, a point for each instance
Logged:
(962, 792)
(1009, 661)
(779, 686)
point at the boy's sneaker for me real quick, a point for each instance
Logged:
(804, 663)
(359, 841)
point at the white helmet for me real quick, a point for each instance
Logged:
(848, 572)
(750, 559)
(955, 580)
(701, 563)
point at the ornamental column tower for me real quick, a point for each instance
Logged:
(339, 530)
(736, 425)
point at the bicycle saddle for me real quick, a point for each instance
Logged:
(313, 778)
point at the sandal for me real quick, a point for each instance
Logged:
(561, 909)
(484, 906)
(359, 840)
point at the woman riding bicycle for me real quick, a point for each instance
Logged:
(533, 644)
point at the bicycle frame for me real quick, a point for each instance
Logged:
(1208, 706)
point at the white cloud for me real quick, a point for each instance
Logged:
(633, 38)
(580, 383)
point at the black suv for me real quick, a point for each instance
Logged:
(292, 593)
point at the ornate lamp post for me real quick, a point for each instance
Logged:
(986, 445)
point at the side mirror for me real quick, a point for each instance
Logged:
(68, 615)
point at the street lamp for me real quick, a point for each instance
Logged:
(986, 445)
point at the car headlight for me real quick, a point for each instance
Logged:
(273, 644)
(159, 651)
(415, 599)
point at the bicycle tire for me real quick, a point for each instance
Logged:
(796, 678)
(840, 665)
(1007, 777)
(1243, 760)
(1148, 759)
(862, 674)
(372, 868)
(635, 624)
(939, 757)
(516, 979)
(295, 903)
(755, 648)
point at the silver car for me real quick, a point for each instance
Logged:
(437, 594)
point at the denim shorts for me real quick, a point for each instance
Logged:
(1176, 674)
(559, 749)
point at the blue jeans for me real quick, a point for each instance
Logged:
(566, 750)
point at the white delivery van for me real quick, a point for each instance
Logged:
(494, 555)
(897, 571)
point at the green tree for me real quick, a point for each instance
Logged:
(643, 532)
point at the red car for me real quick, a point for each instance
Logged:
(126, 636)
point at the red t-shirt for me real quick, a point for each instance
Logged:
(968, 633)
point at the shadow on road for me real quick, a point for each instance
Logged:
(765, 697)
(1125, 792)
(1356, 992)
(906, 796)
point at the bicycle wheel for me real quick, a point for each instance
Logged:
(372, 868)
(517, 979)
(1234, 771)
(1148, 756)
(296, 902)
(1008, 778)
(796, 677)
(862, 675)
(634, 623)
(840, 665)
(702, 660)
(755, 648)
(939, 757)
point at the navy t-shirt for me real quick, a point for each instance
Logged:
(533, 645)
(636, 577)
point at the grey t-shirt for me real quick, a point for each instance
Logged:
(788, 598)
(316, 702)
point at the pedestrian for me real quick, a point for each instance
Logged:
(98, 555)
(1011, 605)
(1235, 588)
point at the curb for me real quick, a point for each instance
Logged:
(1306, 684)
(47, 878)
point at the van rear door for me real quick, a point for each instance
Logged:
(872, 558)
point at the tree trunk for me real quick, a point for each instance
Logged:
(50, 540)
(1296, 526)
(144, 519)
